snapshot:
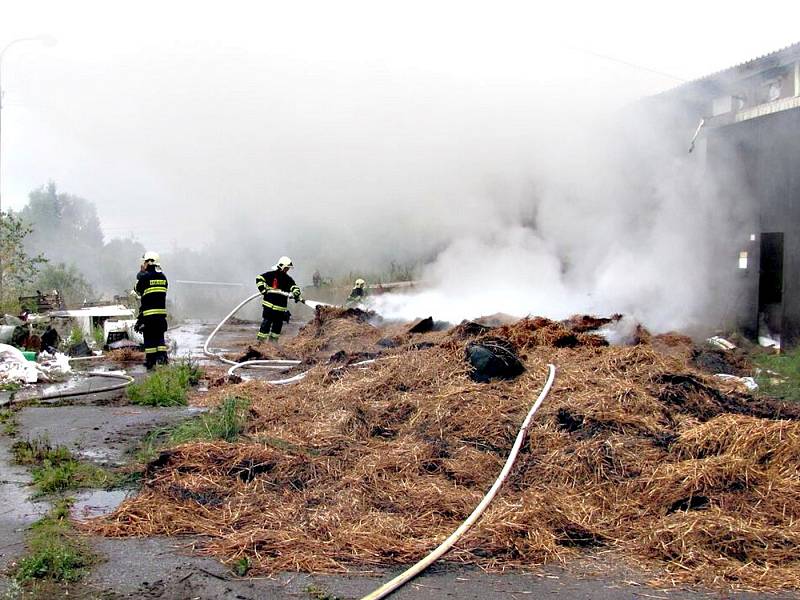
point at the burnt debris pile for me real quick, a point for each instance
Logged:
(635, 450)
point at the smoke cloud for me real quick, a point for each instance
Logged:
(483, 143)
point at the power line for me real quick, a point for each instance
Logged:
(629, 64)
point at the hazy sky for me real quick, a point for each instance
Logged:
(189, 111)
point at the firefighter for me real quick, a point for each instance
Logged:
(276, 286)
(358, 293)
(151, 286)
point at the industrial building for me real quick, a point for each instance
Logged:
(743, 123)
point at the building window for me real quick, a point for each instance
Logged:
(773, 90)
(743, 259)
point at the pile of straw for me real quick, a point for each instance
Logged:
(634, 450)
(125, 355)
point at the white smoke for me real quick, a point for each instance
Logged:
(628, 226)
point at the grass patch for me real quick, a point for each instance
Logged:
(55, 469)
(75, 336)
(99, 336)
(166, 385)
(8, 421)
(319, 593)
(10, 386)
(780, 375)
(225, 422)
(54, 551)
(242, 566)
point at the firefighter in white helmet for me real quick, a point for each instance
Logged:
(359, 293)
(276, 286)
(151, 286)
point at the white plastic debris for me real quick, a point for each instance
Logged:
(14, 367)
(770, 342)
(747, 382)
(721, 342)
(54, 367)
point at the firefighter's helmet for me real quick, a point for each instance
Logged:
(360, 283)
(152, 257)
(284, 261)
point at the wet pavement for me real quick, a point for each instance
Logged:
(165, 568)
(101, 434)
(17, 511)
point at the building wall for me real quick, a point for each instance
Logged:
(766, 152)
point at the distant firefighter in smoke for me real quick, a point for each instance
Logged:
(359, 292)
(151, 286)
(276, 286)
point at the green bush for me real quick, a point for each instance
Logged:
(99, 336)
(166, 385)
(75, 336)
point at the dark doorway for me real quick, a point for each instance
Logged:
(770, 287)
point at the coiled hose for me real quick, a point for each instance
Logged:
(416, 569)
(275, 364)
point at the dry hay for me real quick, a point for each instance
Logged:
(634, 450)
(334, 329)
(539, 331)
(125, 355)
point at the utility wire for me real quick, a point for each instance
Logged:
(629, 64)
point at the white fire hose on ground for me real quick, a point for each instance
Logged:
(275, 364)
(416, 569)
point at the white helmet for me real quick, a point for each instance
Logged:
(360, 283)
(283, 262)
(152, 257)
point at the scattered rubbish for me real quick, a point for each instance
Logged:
(721, 342)
(14, 367)
(123, 343)
(493, 358)
(747, 382)
(422, 326)
(769, 342)
(80, 349)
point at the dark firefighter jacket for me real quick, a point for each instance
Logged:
(151, 285)
(276, 287)
(356, 295)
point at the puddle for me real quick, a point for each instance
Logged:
(188, 338)
(95, 455)
(96, 503)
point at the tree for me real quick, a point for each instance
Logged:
(66, 226)
(67, 280)
(121, 258)
(17, 267)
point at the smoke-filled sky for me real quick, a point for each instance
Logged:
(348, 134)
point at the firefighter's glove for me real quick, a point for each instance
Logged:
(287, 315)
(139, 327)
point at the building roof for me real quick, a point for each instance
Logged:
(754, 65)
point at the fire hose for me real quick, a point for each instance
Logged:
(276, 364)
(124, 378)
(416, 569)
